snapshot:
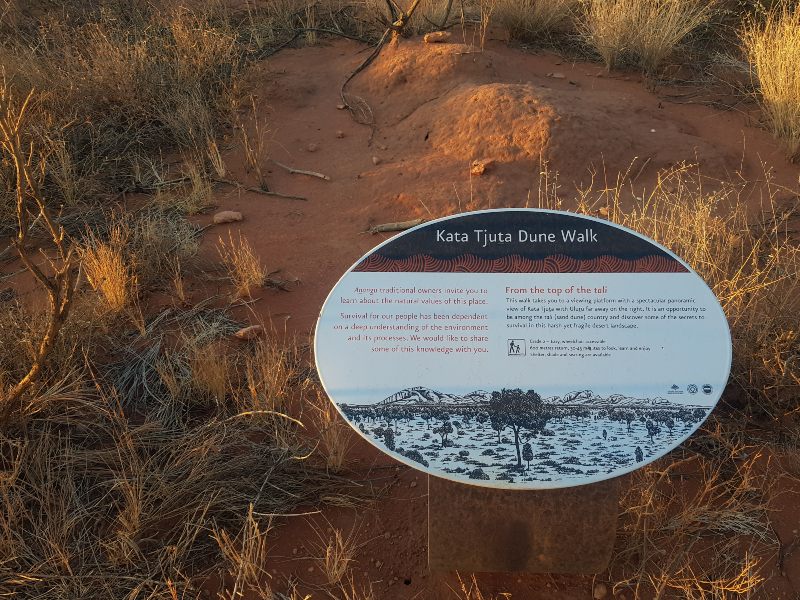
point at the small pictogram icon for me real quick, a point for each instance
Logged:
(707, 389)
(516, 347)
(691, 388)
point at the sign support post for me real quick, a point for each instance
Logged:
(478, 529)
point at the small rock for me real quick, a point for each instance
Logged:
(557, 75)
(294, 550)
(227, 216)
(341, 106)
(251, 333)
(600, 591)
(312, 147)
(413, 484)
(603, 211)
(382, 147)
(340, 134)
(652, 131)
(437, 37)
(479, 167)
(310, 569)
(376, 160)
(378, 564)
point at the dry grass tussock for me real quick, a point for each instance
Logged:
(533, 20)
(133, 253)
(334, 552)
(120, 85)
(243, 265)
(107, 270)
(644, 32)
(334, 434)
(751, 264)
(697, 527)
(696, 524)
(161, 490)
(97, 503)
(774, 51)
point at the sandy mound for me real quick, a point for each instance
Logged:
(502, 121)
(446, 100)
(408, 74)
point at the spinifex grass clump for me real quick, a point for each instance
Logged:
(244, 267)
(696, 526)
(533, 20)
(774, 51)
(751, 264)
(108, 271)
(120, 86)
(96, 501)
(644, 32)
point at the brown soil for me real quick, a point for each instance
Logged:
(437, 108)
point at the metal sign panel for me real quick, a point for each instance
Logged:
(523, 349)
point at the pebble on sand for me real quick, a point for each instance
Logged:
(227, 216)
(250, 333)
(600, 591)
(479, 167)
(437, 37)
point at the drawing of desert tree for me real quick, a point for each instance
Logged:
(518, 410)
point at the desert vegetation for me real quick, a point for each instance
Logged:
(157, 430)
(772, 49)
(490, 435)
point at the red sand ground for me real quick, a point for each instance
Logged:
(436, 108)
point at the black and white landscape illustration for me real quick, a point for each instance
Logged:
(515, 437)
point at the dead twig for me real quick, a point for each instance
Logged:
(395, 29)
(398, 226)
(257, 190)
(61, 285)
(294, 171)
(298, 32)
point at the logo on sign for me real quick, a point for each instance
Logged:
(691, 388)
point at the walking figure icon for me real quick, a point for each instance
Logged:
(516, 347)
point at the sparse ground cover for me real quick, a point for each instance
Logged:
(580, 446)
(146, 451)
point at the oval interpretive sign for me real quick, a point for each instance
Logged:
(524, 349)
